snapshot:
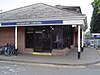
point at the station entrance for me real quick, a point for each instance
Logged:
(38, 38)
(46, 38)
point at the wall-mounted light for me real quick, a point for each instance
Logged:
(52, 28)
(43, 30)
(74, 25)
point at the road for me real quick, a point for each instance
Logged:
(19, 68)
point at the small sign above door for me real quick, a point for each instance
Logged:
(38, 31)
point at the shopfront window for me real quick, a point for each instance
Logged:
(29, 37)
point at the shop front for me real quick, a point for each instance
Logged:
(42, 39)
(47, 38)
(53, 31)
(38, 38)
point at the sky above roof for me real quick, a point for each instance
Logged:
(85, 5)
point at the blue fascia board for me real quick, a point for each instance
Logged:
(32, 23)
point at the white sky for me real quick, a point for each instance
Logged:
(85, 5)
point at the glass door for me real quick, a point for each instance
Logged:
(29, 37)
(38, 41)
(46, 41)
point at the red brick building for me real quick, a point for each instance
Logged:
(43, 28)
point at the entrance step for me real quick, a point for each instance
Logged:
(40, 53)
(61, 52)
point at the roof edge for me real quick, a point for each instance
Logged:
(50, 18)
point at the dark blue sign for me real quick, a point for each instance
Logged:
(96, 36)
(32, 23)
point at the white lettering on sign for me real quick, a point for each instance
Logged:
(38, 32)
(28, 23)
(36, 22)
(23, 23)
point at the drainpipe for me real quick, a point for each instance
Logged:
(79, 51)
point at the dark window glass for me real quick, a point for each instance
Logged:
(29, 37)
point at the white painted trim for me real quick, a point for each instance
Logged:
(79, 38)
(95, 33)
(74, 22)
(82, 37)
(66, 21)
(16, 37)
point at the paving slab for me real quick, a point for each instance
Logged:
(88, 56)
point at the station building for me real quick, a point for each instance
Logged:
(43, 28)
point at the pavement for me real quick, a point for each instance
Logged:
(88, 56)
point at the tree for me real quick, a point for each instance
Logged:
(95, 20)
(88, 34)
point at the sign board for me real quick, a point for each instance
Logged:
(28, 23)
(96, 35)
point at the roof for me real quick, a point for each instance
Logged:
(38, 10)
(76, 9)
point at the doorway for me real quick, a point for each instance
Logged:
(29, 37)
(38, 41)
(42, 40)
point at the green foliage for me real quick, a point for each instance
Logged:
(95, 20)
(88, 35)
(96, 3)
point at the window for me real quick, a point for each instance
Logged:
(29, 37)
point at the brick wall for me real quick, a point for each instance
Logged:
(21, 41)
(61, 52)
(75, 39)
(6, 35)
